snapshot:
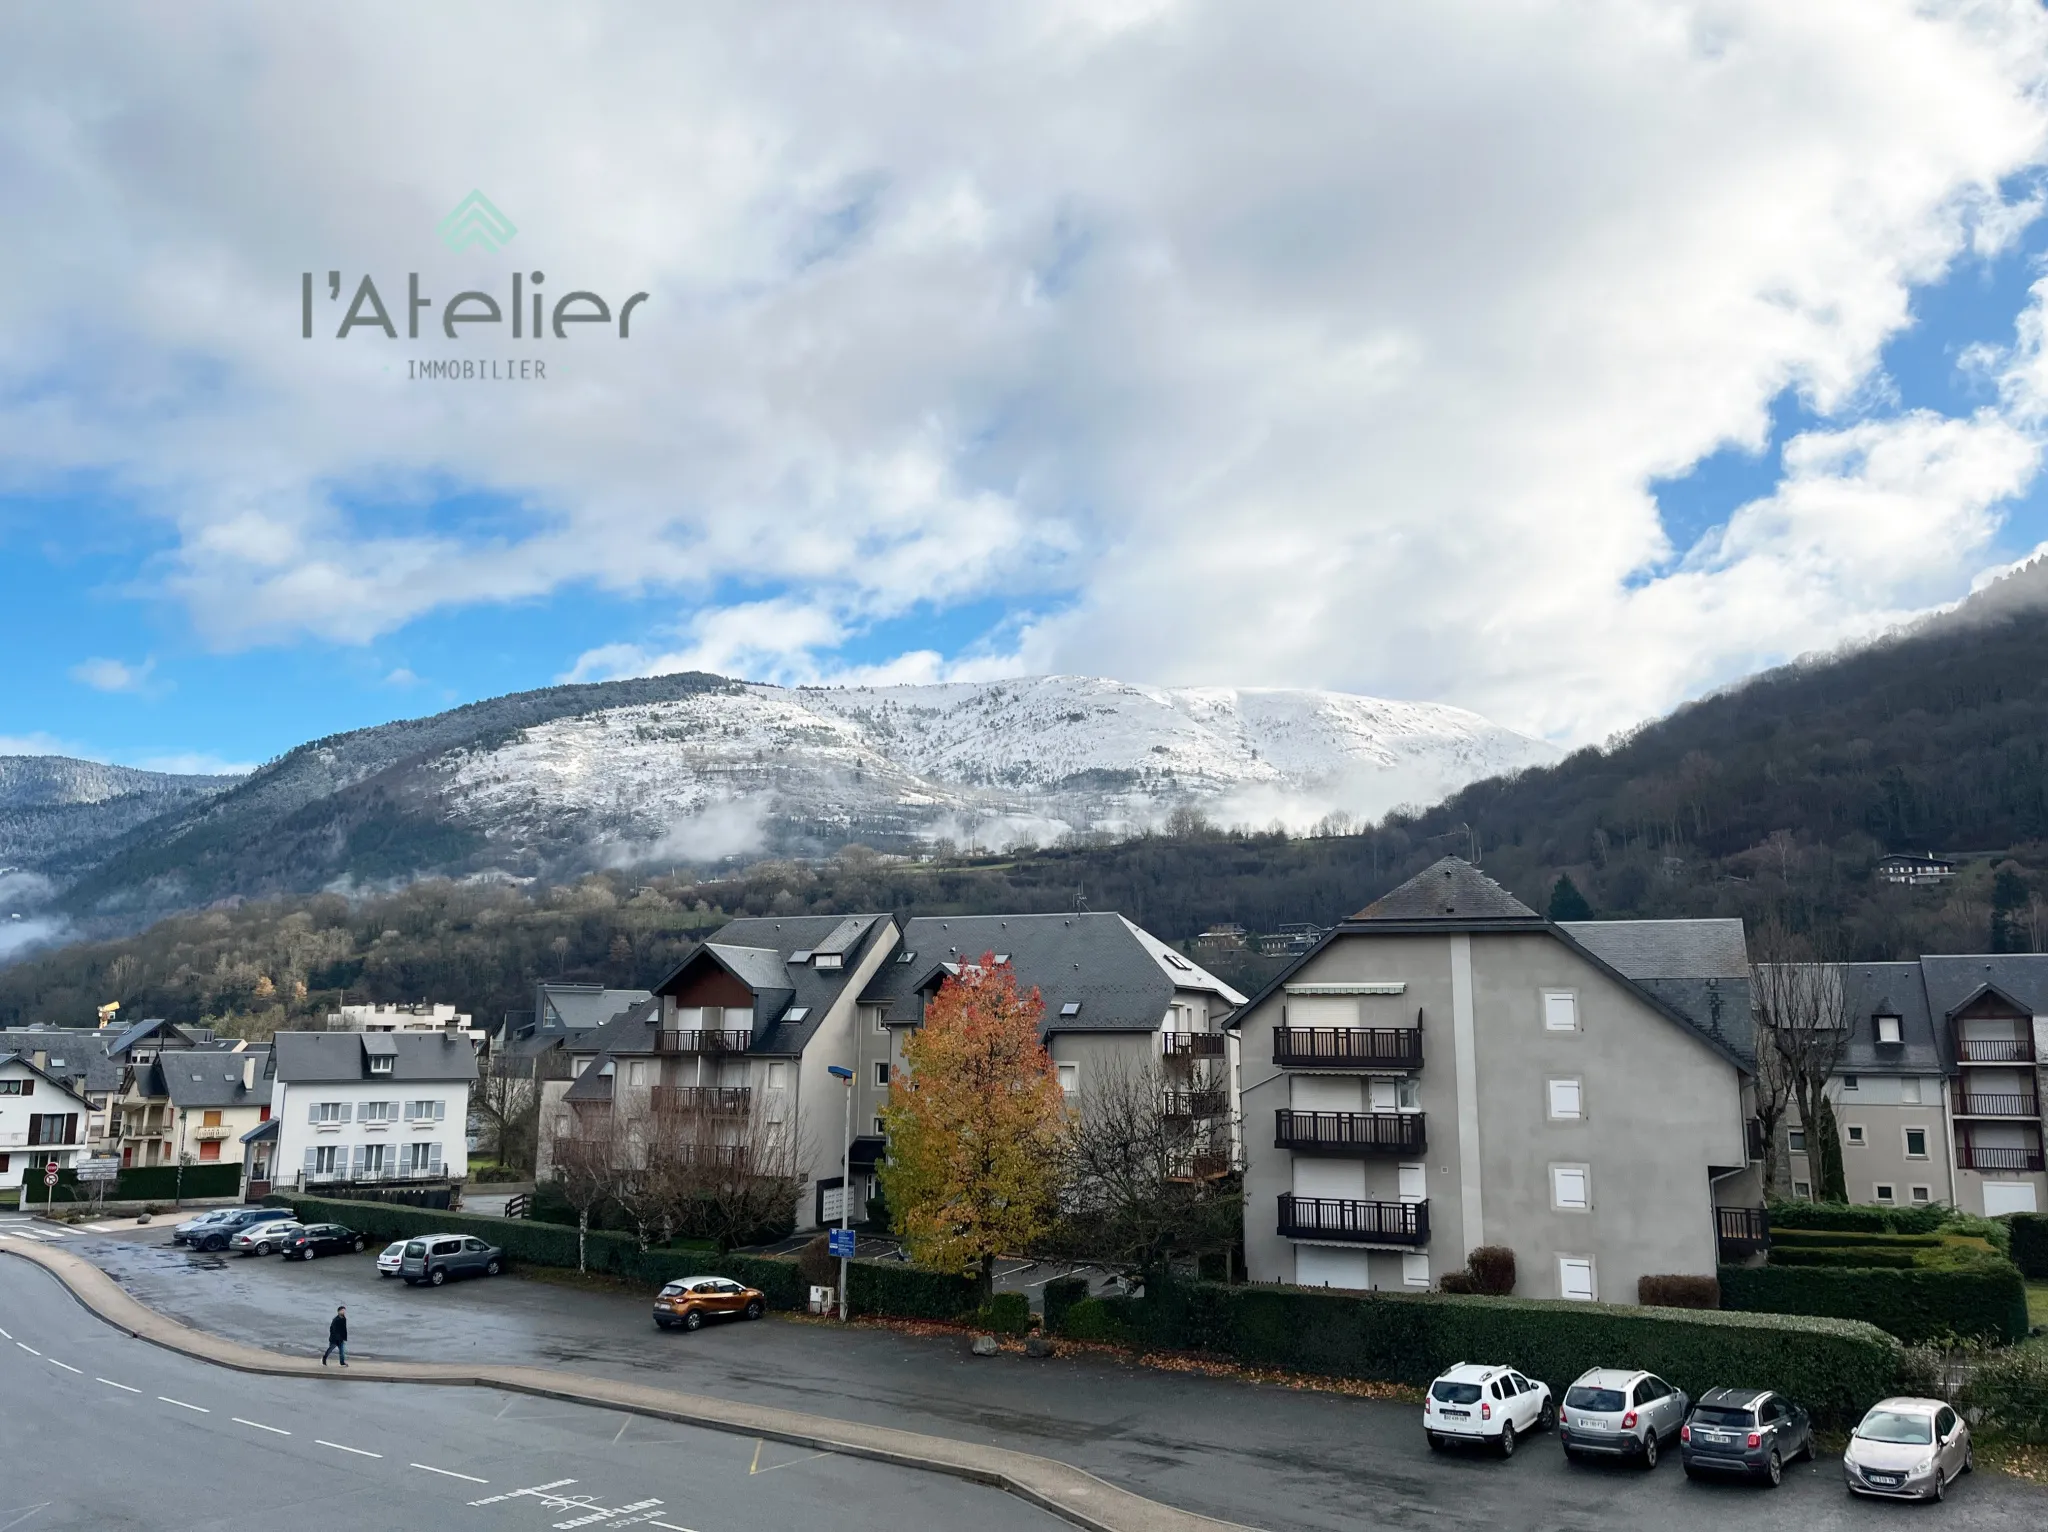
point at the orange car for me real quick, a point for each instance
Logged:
(689, 1301)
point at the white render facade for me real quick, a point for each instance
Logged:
(342, 1114)
(41, 1119)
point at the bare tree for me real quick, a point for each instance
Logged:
(509, 1103)
(586, 1162)
(1802, 1012)
(1773, 1105)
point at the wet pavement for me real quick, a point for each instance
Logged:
(1264, 1456)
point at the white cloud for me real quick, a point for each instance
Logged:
(37, 744)
(104, 675)
(198, 763)
(1341, 353)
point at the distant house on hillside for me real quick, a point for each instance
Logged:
(1915, 870)
(1227, 937)
(403, 1016)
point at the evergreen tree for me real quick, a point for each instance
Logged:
(1566, 902)
(2008, 900)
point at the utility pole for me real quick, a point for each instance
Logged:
(845, 1189)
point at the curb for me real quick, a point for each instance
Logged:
(1071, 1493)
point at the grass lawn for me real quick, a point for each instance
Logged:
(2037, 1302)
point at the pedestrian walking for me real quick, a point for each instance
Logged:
(337, 1336)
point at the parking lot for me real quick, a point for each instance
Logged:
(1259, 1455)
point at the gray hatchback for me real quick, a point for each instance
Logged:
(1747, 1431)
(434, 1258)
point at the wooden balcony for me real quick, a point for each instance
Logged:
(722, 1100)
(1196, 1103)
(1205, 1165)
(1365, 1223)
(1349, 1133)
(1968, 1103)
(1191, 1045)
(1995, 1050)
(1348, 1047)
(1741, 1231)
(701, 1040)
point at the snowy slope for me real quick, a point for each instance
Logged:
(994, 762)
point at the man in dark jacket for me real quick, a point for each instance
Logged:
(337, 1336)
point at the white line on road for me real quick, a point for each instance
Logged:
(672, 1527)
(7, 1334)
(65, 1365)
(451, 1473)
(622, 1429)
(28, 1348)
(337, 1446)
(122, 1386)
(259, 1425)
(181, 1404)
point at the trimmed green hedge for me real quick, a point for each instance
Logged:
(1061, 1294)
(902, 1291)
(1004, 1314)
(1856, 1217)
(2012, 1391)
(781, 1283)
(1845, 1255)
(2030, 1245)
(1981, 1297)
(1836, 1368)
(1838, 1238)
(146, 1183)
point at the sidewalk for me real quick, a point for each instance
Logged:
(1065, 1491)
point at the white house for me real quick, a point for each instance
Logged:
(363, 1108)
(41, 1119)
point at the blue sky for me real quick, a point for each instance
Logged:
(1155, 346)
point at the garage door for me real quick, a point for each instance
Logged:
(2008, 1197)
(1317, 1267)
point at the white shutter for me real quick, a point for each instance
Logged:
(312, 1161)
(312, 1111)
(1575, 1279)
(440, 1110)
(433, 1159)
(362, 1153)
(344, 1111)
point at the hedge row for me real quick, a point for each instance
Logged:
(1835, 1367)
(2030, 1245)
(1985, 1297)
(1842, 1238)
(144, 1183)
(1856, 1218)
(1061, 1294)
(1843, 1255)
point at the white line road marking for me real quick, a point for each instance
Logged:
(337, 1446)
(259, 1425)
(65, 1365)
(672, 1527)
(28, 1348)
(622, 1429)
(535, 1489)
(8, 1335)
(198, 1409)
(451, 1473)
(122, 1386)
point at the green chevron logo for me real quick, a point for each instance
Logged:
(476, 222)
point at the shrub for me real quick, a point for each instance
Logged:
(1492, 1269)
(902, 1291)
(1855, 1218)
(1820, 1239)
(2012, 1391)
(818, 1264)
(1678, 1292)
(1004, 1314)
(1836, 1368)
(1061, 1294)
(1970, 1294)
(1995, 1232)
(1843, 1255)
(778, 1278)
(2030, 1245)
(1455, 1282)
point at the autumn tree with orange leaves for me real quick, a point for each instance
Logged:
(976, 1123)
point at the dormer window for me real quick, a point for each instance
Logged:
(1888, 1029)
(380, 1064)
(829, 960)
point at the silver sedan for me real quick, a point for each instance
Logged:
(264, 1238)
(1907, 1449)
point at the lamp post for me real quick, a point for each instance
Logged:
(845, 1178)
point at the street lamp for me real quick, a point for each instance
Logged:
(845, 1182)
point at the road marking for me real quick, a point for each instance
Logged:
(451, 1473)
(259, 1425)
(672, 1527)
(181, 1404)
(622, 1429)
(65, 1365)
(122, 1386)
(8, 1334)
(536, 1489)
(337, 1446)
(28, 1348)
(755, 1467)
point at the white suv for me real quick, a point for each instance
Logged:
(1485, 1404)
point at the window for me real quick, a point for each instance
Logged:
(778, 1075)
(326, 1160)
(1798, 1140)
(371, 1160)
(1408, 1095)
(1909, 1090)
(882, 1075)
(423, 1159)
(636, 1072)
(1888, 1029)
(1570, 1188)
(426, 1111)
(17, 1087)
(1850, 1082)
(376, 1112)
(330, 1114)
(1916, 1143)
(829, 960)
(881, 1129)
(1415, 1271)
(263, 1113)
(380, 1063)
(1855, 1132)
(577, 1066)
(1575, 1278)
(881, 1027)
(1070, 1077)
(1560, 1011)
(1923, 1194)
(210, 1120)
(1884, 1191)
(209, 1149)
(1071, 1008)
(1803, 1190)
(1564, 1101)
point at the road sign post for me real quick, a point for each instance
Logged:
(841, 1238)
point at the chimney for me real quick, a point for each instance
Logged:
(248, 1071)
(41, 1059)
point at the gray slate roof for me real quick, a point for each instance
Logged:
(321, 1058)
(85, 1062)
(1450, 889)
(579, 1007)
(219, 1082)
(757, 951)
(1889, 989)
(30, 1065)
(1122, 978)
(1667, 949)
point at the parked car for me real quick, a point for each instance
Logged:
(1744, 1430)
(1485, 1404)
(1908, 1449)
(389, 1257)
(321, 1239)
(687, 1302)
(216, 1230)
(1614, 1412)
(266, 1238)
(434, 1258)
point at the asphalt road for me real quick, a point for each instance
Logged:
(1264, 1456)
(116, 1433)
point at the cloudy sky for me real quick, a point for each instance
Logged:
(1559, 360)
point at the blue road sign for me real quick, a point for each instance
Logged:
(841, 1241)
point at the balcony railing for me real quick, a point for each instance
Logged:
(1197, 1103)
(1191, 1045)
(703, 1040)
(1969, 1103)
(722, 1099)
(216, 1131)
(1380, 1223)
(1971, 1157)
(1995, 1050)
(1350, 1132)
(1348, 1047)
(1742, 1231)
(1209, 1165)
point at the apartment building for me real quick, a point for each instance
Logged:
(79, 1057)
(1938, 1093)
(42, 1119)
(535, 1043)
(1448, 1069)
(1117, 1002)
(362, 1109)
(733, 1049)
(404, 1016)
(190, 1105)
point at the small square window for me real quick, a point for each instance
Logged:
(1916, 1143)
(882, 1075)
(881, 1027)
(1565, 1103)
(1798, 1140)
(1884, 1191)
(1575, 1278)
(1570, 1188)
(1855, 1132)
(1888, 1029)
(1802, 1190)
(1923, 1194)
(1909, 1090)
(1070, 1077)
(1850, 1082)
(881, 1128)
(1560, 1011)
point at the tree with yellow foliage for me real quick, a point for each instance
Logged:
(976, 1123)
